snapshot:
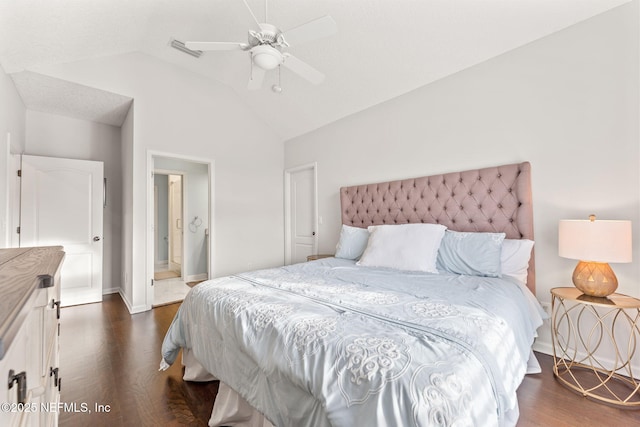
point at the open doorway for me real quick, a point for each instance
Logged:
(179, 246)
(168, 214)
(175, 224)
(168, 275)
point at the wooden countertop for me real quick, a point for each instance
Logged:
(22, 271)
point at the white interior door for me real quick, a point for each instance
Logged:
(62, 204)
(301, 222)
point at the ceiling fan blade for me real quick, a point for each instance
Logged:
(208, 46)
(318, 28)
(252, 15)
(303, 69)
(257, 76)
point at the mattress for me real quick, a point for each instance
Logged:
(330, 343)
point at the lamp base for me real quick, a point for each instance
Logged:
(596, 279)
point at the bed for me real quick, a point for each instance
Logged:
(425, 316)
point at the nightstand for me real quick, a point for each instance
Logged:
(318, 256)
(594, 345)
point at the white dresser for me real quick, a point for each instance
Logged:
(29, 330)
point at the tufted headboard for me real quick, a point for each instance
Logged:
(494, 199)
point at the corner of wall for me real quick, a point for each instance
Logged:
(132, 309)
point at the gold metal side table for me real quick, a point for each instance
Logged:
(587, 338)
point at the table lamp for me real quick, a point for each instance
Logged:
(595, 243)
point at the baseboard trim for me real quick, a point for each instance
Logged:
(124, 299)
(132, 309)
(547, 348)
(109, 291)
(543, 347)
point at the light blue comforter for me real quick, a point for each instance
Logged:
(329, 343)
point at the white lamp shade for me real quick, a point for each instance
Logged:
(595, 241)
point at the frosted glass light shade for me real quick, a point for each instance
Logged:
(266, 57)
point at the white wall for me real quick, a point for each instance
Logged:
(181, 113)
(12, 113)
(126, 139)
(567, 103)
(12, 131)
(53, 135)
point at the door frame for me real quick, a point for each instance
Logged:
(11, 203)
(287, 207)
(149, 226)
(155, 229)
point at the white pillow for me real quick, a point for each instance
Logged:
(514, 258)
(352, 242)
(412, 247)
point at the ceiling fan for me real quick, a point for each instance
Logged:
(267, 45)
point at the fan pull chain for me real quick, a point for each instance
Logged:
(251, 67)
(278, 88)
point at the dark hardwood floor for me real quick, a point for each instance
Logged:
(110, 358)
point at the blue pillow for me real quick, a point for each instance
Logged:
(471, 254)
(353, 241)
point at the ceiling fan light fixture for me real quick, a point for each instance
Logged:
(266, 57)
(267, 46)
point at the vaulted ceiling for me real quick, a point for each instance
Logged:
(383, 48)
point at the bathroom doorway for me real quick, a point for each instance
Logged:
(168, 213)
(179, 246)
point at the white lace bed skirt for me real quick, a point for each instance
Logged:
(230, 409)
